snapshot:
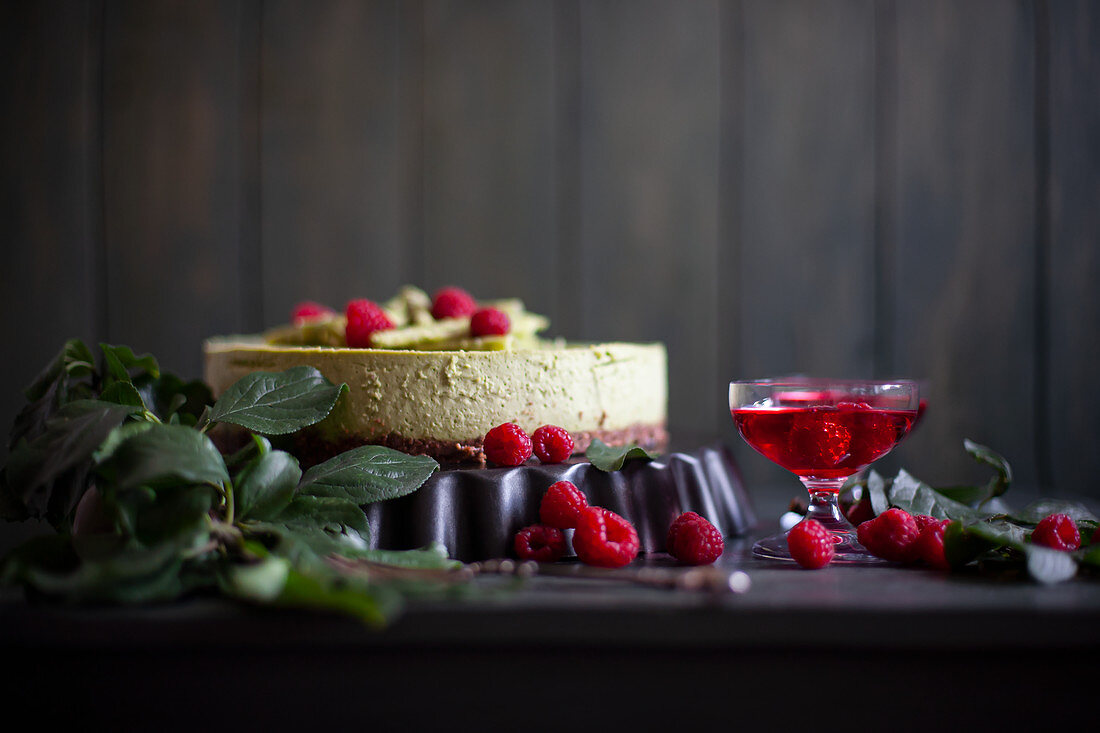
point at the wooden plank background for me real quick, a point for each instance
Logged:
(848, 187)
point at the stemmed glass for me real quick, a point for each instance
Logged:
(823, 431)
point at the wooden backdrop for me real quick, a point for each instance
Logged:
(844, 187)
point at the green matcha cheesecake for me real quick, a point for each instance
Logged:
(437, 391)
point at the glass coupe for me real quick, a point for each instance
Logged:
(823, 431)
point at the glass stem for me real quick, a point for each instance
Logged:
(824, 503)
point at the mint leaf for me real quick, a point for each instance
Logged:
(165, 454)
(276, 403)
(611, 458)
(317, 589)
(169, 513)
(173, 396)
(368, 474)
(432, 557)
(266, 486)
(961, 546)
(261, 582)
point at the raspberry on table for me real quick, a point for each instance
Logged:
(489, 322)
(507, 445)
(605, 539)
(1058, 532)
(552, 444)
(693, 540)
(452, 302)
(308, 310)
(364, 318)
(811, 545)
(562, 505)
(890, 535)
(540, 543)
(923, 520)
(929, 544)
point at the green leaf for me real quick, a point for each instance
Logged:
(129, 575)
(174, 512)
(961, 546)
(165, 454)
(68, 376)
(877, 487)
(276, 403)
(1035, 512)
(917, 497)
(318, 590)
(37, 469)
(123, 393)
(1000, 533)
(432, 557)
(1091, 556)
(611, 458)
(317, 526)
(173, 396)
(266, 486)
(999, 484)
(119, 436)
(258, 446)
(121, 359)
(368, 474)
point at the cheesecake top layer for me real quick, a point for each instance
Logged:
(459, 395)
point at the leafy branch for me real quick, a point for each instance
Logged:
(117, 457)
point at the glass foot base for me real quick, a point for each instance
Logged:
(848, 549)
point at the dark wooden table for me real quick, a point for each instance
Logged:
(846, 646)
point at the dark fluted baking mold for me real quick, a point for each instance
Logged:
(475, 513)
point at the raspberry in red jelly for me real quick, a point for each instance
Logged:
(562, 505)
(540, 543)
(929, 544)
(605, 539)
(811, 545)
(452, 302)
(822, 438)
(364, 318)
(1058, 532)
(693, 540)
(489, 322)
(307, 310)
(890, 535)
(507, 445)
(552, 444)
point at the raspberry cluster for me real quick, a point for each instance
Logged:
(600, 537)
(509, 445)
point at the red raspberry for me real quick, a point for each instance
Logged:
(364, 318)
(307, 310)
(890, 535)
(452, 302)
(693, 540)
(1057, 532)
(605, 539)
(507, 445)
(552, 444)
(929, 544)
(861, 511)
(811, 545)
(923, 520)
(489, 322)
(562, 505)
(541, 543)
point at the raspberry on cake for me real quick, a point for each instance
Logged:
(426, 385)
